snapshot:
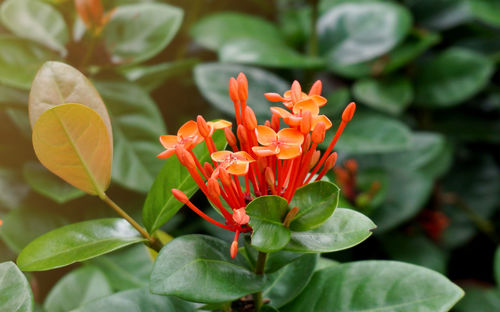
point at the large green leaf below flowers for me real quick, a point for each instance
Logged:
(15, 291)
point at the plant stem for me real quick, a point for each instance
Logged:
(259, 270)
(313, 39)
(153, 243)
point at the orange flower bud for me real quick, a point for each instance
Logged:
(249, 119)
(213, 188)
(275, 122)
(242, 134)
(188, 160)
(203, 128)
(274, 97)
(234, 249)
(315, 158)
(180, 196)
(261, 164)
(179, 151)
(224, 177)
(349, 112)
(267, 123)
(307, 142)
(306, 122)
(330, 161)
(240, 216)
(242, 86)
(290, 215)
(316, 88)
(208, 168)
(296, 91)
(351, 165)
(269, 175)
(318, 134)
(233, 89)
(231, 139)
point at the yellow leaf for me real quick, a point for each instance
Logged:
(73, 142)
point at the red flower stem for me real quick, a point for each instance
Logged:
(204, 216)
(225, 213)
(328, 150)
(231, 199)
(238, 186)
(199, 166)
(247, 185)
(305, 165)
(295, 171)
(237, 112)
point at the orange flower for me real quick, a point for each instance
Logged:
(187, 136)
(219, 124)
(294, 95)
(307, 105)
(235, 163)
(286, 144)
(92, 14)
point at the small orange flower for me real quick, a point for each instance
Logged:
(187, 136)
(291, 97)
(307, 105)
(219, 124)
(235, 163)
(92, 14)
(286, 144)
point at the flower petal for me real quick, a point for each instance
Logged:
(319, 100)
(265, 135)
(238, 169)
(289, 151)
(221, 156)
(264, 151)
(219, 124)
(166, 153)
(282, 113)
(322, 118)
(243, 157)
(189, 129)
(290, 136)
(306, 105)
(168, 141)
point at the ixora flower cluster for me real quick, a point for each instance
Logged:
(270, 160)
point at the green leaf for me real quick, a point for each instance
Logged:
(19, 54)
(289, 281)
(150, 77)
(485, 299)
(371, 133)
(71, 140)
(391, 95)
(212, 81)
(199, 268)
(486, 10)
(440, 15)
(49, 185)
(415, 249)
(15, 291)
(377, 286)
(11, 97)
(266, 219)
(344, 229)
(496, 265)
(37, 21)
(214, 31)
(77, 242)
(452, 77)
(14, 189)
(139, 31)
(160, 204)
(351, 33)
(126, 268)
(137, 125)
(137, 300)
(270, 54)
(76, 288)
(57, 83)
(316, 202)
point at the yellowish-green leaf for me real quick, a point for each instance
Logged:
(72, 141)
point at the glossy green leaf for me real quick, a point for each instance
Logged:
(12, 97)
(19, 54)
(15, 291)
(479, 298)
(274, 261)
(486, 10)
(496, 265)
(126, 268)
(390, 95)
(377, 286)
(452, 77)
(150, 77)
(139, 31)
(316, 202)
(137, 300)
(57, 83)
(270, 54)
(440, 15)
(137, 125)
(289, 281)
(77, 242)
(160, 204)
(76, 288)
(350, 33)
(49, 185)
(212, 81)
(37, 21)
(371, 133)
(266, 219)
(214, 31)
(71, 140)
(14, 189)
(199, 268)
(344, 229)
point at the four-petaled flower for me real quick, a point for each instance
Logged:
(187, 136)
(235, 163)
(286, 144)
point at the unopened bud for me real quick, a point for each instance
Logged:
(188, 160)
(275, 122)
(267, 123)
(242, 86)
(233, 89)
(250, 120)
(242, 134)
(296, 91)
(234, 249)
(351, 165)
(307, 141)
(208, 168)
(180, 196)
(330, 161)
(203, 128)
(315, 158)
(349, 112)
(273, 97)
(289, 216)
(316, 88)
(213, 188)
(224, 177)
(306, 122)
(231, 139)
(318, 134)
(269, 174)
(179, 151)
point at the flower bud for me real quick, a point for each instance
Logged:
(261, 164)
(203, 128)
(224, 177)
(269, 175)
(242, 134)
(318, 134)
(234, 249)
(306, 122)
(179, 151)
(275, 123)
(180, 196)
(290, 215)
(316, 88)
(242, 87)
(315, 159)
(250, 120)
(267, 123)
(296, 93)
(307, 141)
(213, 188)
(273, 97)
(330, 161)
(231, 139)
(351, 165)
(188, 160)
(349, 112)
(233, 89)
(208, 168)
